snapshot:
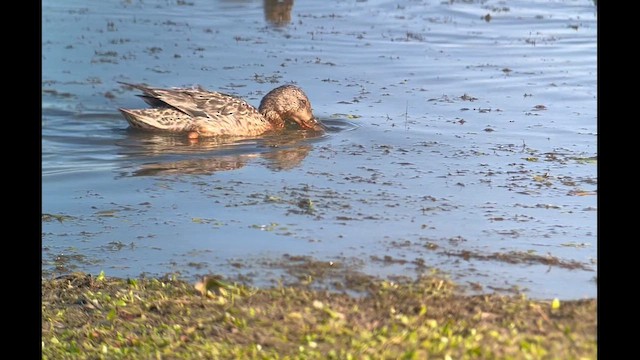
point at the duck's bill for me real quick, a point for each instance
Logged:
(314, 125)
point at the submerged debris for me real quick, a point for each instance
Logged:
(521, 257)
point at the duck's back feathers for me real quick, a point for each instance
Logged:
(209, 113)
(196, 102)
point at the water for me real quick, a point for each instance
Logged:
(462, 137)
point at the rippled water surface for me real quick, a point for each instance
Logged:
(462, 137)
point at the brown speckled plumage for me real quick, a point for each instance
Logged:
(209, 113)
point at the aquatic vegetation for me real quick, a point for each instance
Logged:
(101, 317)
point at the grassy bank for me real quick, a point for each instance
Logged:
(88, 317)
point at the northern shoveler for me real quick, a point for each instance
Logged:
(202, 113)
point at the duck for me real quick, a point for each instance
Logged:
(198, 112)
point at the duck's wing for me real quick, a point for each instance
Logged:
(196, 102)
(213, 104)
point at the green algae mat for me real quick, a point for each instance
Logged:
(88, 317)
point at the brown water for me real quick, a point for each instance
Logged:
(462, 137)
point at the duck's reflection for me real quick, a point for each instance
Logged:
(278, 12)
(284, 159)
(157, 154)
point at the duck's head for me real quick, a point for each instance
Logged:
(289, 103)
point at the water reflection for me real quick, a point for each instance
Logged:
(179, 155)
(284, 159)
(278, 12)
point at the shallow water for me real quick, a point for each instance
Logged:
(462, 137)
